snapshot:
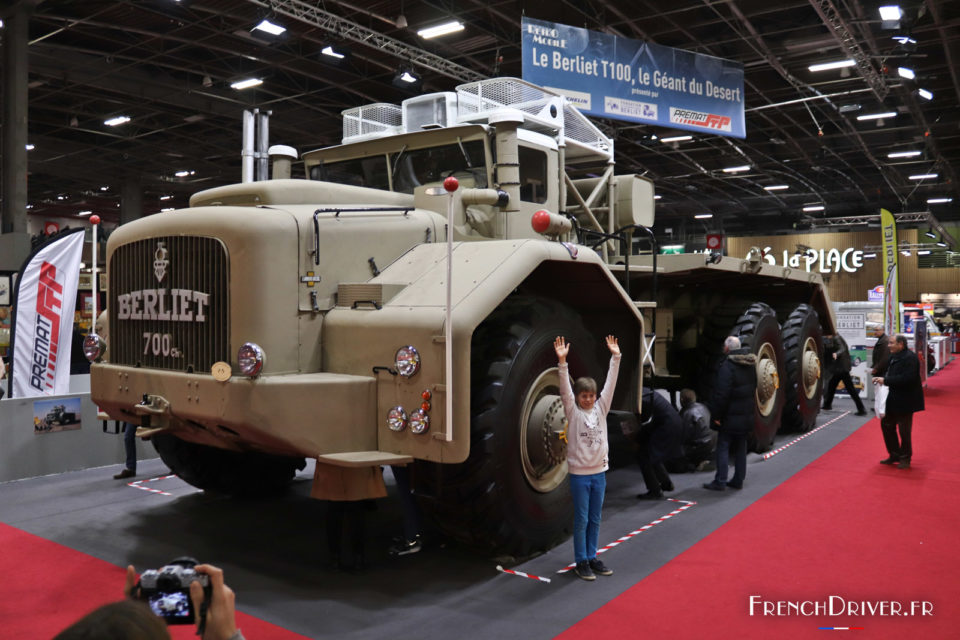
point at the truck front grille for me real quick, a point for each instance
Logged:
(169, 304)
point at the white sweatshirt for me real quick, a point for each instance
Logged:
(587, 447)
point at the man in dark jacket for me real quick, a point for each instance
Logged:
(837, 355)
(733, 407)
(881, 355)
(698, 442)
(657, 441)
(905, 399)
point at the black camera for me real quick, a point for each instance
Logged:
(167, 591)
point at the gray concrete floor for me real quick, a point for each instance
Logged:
(274, 556)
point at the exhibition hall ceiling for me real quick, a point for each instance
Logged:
(168, 66)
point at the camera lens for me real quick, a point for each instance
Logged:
(167, 584)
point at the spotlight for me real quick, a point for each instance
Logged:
(904, 154)
(890, 17)
(891, 12)
(906, 72)
(441, 30)
(240, 85)
(877, 116)
(930, 234)
(836, 64)
(923, 93)
(407, 79)
(270, 27)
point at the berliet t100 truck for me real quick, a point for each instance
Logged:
(286, 319)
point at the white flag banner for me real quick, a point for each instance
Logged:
(43, 317)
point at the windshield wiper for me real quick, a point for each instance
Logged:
(396, 165)
(464, 152)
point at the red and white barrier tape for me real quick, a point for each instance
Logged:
(522, 574)
(770, 454)
(686, 505)
(136, 484)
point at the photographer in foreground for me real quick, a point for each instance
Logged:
(132, 619)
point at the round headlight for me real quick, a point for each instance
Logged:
(407, 361)
(419, 421)
(93, 347)
(250, 359)
(397, 419)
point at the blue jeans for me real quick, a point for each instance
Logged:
(587, 494)
(130, 445)
(736, 442)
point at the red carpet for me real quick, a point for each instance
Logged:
(844, 526)
(46, 586)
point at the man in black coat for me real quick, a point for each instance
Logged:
(733, 407)
(657, 441)
(881, 355)
(905, 399)
(837, 356)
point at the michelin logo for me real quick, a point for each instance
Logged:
(629, 108)
(579, 99)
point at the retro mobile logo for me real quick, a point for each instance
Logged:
(178, 305)
(49, 304)
(700, 119)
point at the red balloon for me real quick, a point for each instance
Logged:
(94, 219)
(451, 184)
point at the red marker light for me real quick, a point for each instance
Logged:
(94, 219)
(425, 406)
(540, 221)
(426, 395)
(451, 184)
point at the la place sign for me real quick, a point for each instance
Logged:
(849, 260)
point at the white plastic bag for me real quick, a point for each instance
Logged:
(880, 399)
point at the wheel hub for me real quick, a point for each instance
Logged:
(768, 379)
(811, 368)
(543, 454)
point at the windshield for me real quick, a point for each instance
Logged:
(417, 167)
(411, 168)
(361, 172)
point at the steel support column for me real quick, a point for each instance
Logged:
(14, 180)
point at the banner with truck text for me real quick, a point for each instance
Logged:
(626, 79)
(42, 335)
(891, 279)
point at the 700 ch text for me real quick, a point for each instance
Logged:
(159, 344)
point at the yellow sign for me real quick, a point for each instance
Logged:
(891, 288)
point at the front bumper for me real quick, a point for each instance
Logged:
(307, 415)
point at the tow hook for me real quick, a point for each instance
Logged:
(155, 414)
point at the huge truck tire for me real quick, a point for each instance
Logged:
(759, 332)
(511, 496)
(230, 472)
(803, 385)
